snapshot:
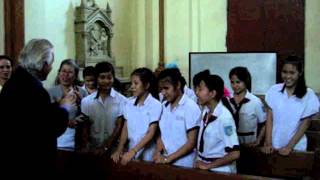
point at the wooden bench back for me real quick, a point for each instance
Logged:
(296, 165)
(88, 166)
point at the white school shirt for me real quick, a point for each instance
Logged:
(250, 114)
(288, 113)
(85, 88)
(187, 91)
(190, 93)
(102, 114)
(175, 124)
(139, 118)
(219, 136)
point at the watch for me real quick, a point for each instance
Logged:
(165, 159)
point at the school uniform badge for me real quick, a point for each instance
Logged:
(228, 130)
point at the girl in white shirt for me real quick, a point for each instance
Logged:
(104, 108)
(247, 109)
(142, 113)
(218, 145)
(179, 122)
(290, 108)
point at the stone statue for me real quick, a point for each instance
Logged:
(94, 40)
(104, 41)
(89, 3)
(94, 33)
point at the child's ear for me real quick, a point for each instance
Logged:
(179, 85)
(147, 86)
(213, 94)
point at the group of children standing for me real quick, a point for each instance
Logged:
(202, 132)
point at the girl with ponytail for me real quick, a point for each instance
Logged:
(141, 114)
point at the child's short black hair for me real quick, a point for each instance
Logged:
(103, 67)
(214, 82)
(199, 76)
(88, 71)
(172, 76)
(243, 75)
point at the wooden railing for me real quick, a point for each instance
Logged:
(252, 165)
(88, 166)
(297, 165)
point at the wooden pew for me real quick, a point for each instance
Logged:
(88, 166)
(297, 165)
(143, 170)
(313, 138)
(313, 135)
(315, 125)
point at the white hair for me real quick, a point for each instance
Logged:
(36, 54)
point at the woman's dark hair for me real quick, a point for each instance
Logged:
(147, 77)
(72, 63)
(243, 75)
(199, 77)
(214, 82)
(88, 71)
(172, 76)
(301, 87)
(7, 58)
(104, 67)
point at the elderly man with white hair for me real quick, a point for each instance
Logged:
(30, 124)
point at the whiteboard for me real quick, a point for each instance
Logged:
(262, 67)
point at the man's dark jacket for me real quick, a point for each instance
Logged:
(30, 125)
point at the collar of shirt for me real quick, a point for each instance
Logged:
(218, 110)
(282, 89)
(112, 93)
(181, 102)
(98, 98)
(146, 101)
(248, 96)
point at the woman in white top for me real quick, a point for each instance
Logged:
(218, 145)
(67, 90)
(247, 109)
(142, 113)
(290, 107)
(179, 122)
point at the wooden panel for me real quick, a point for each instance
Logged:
(88, 166)
(14, 27)
(266, 25)
(315, 125)
(245, 26)
(313, 138)
(161, 38)
(296, 165)
(316, 165)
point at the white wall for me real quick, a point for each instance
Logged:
(312, 44)
(193, 25)
(190, 25)
(54, 20)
